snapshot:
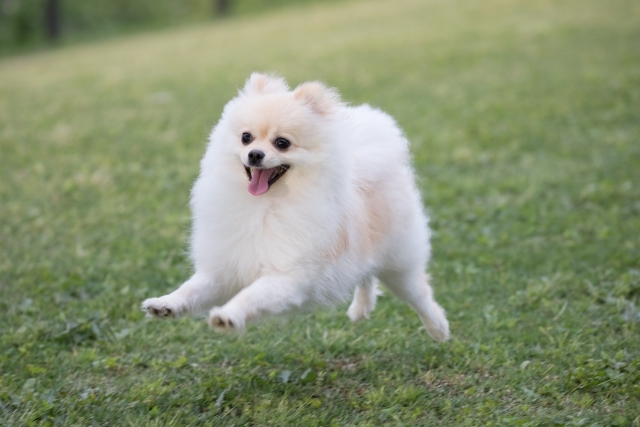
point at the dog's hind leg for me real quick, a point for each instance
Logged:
(364, 299)
(414, 289)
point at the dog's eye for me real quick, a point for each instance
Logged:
(246, 138)
(282, 143)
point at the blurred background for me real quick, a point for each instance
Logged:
(29, 24)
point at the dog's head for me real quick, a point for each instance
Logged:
(275, 131)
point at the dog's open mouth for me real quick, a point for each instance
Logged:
(261, 179)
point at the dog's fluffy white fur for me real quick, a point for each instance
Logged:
(345, 213)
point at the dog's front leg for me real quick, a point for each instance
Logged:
(196, 295)
(267, 296)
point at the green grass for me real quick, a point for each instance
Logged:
(22, 28)
(524, 118)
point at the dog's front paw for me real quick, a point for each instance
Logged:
(222, 319)
(164, 307)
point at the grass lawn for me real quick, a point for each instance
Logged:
(524, 118)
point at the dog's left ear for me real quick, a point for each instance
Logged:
(321, 99)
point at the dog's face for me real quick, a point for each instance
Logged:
(276, 131)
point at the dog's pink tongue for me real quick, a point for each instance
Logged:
(259, 183)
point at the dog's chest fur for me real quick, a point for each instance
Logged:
(255, 239)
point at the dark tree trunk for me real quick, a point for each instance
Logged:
(221, 7)
(52, 19)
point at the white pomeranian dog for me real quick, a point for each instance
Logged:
(302, 201)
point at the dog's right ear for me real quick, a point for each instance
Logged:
(263, 84)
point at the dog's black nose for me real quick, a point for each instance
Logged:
(255, 157)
